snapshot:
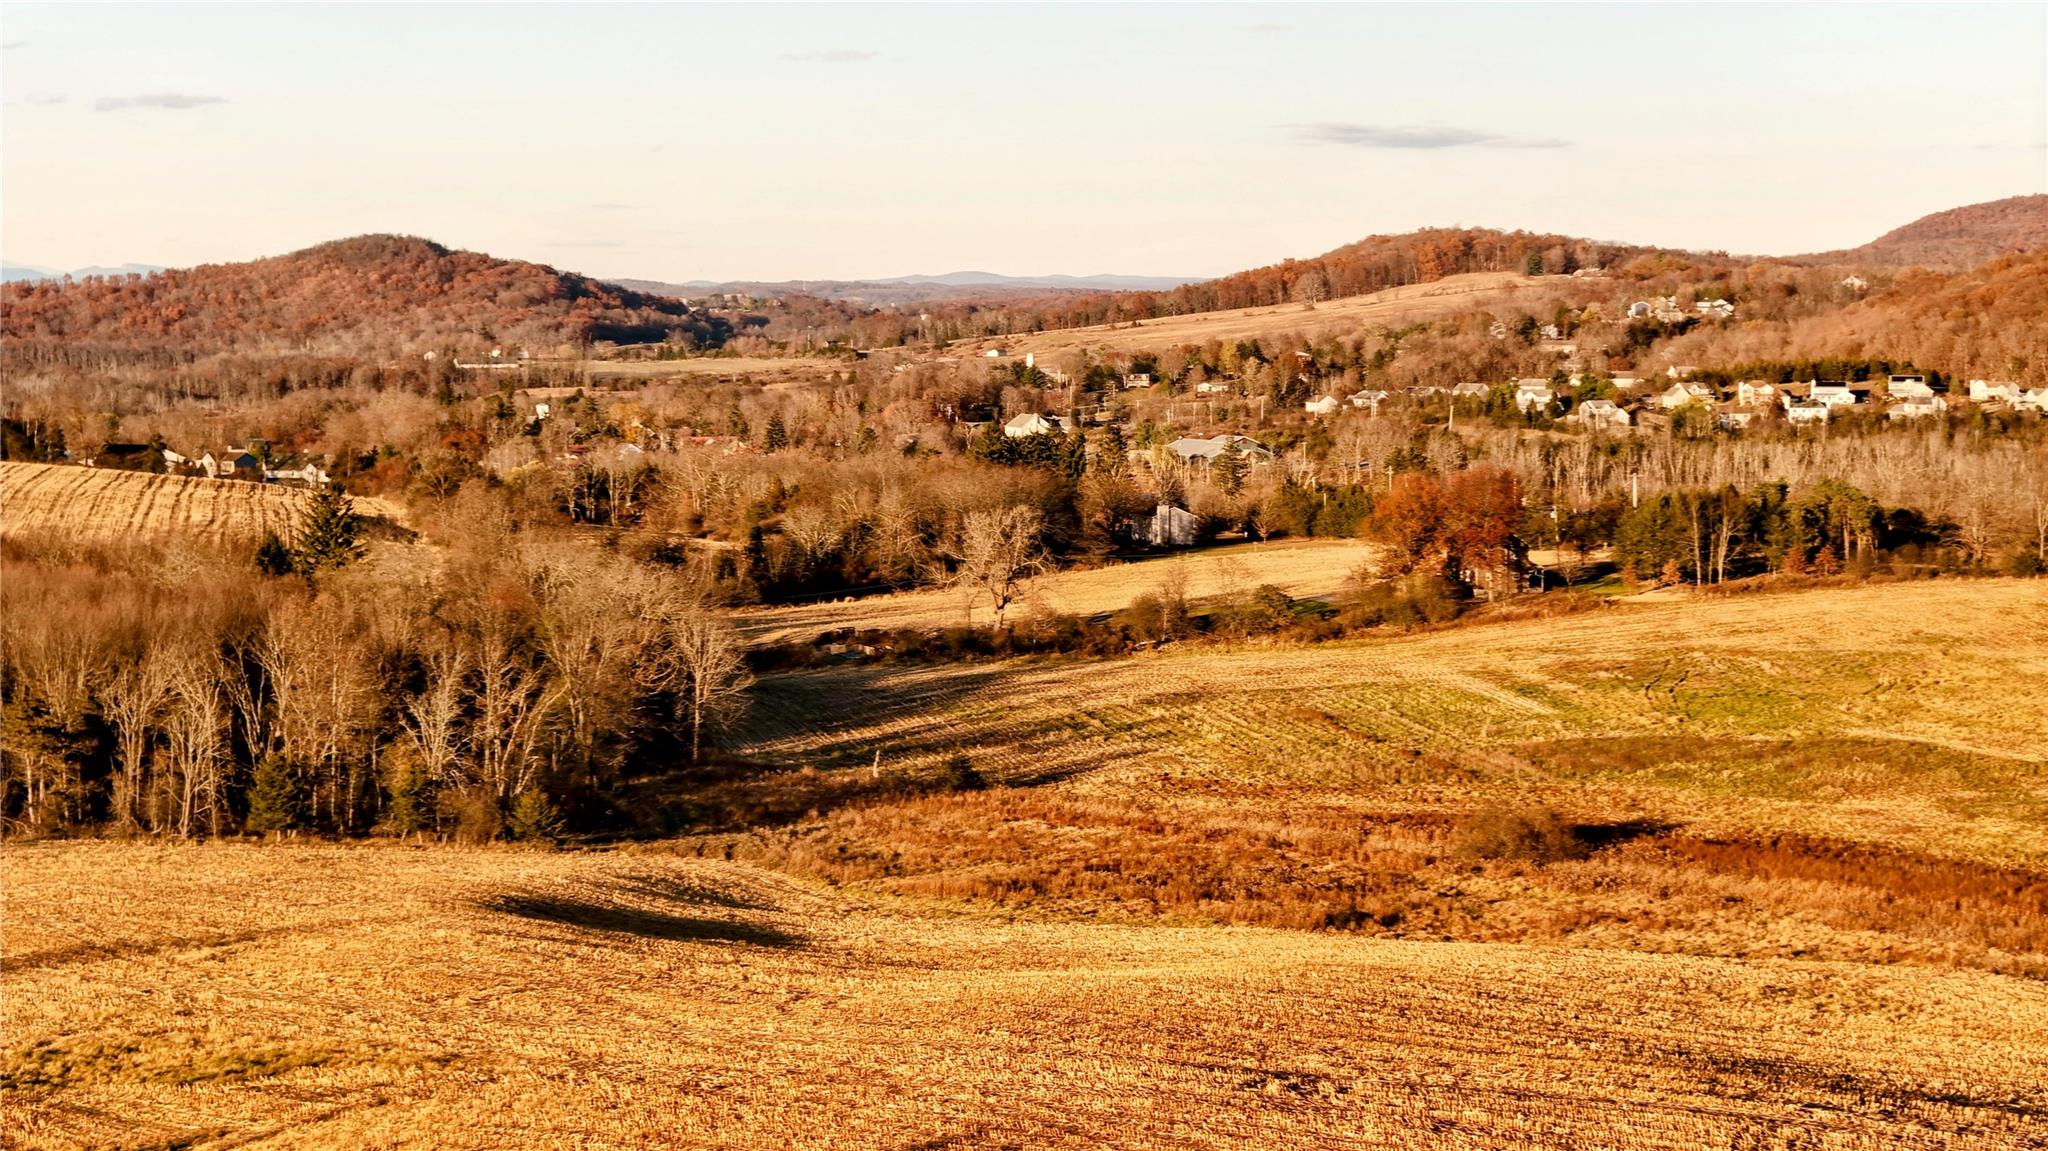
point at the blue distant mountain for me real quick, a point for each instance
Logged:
(22, 272)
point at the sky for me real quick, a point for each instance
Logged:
(773, 142)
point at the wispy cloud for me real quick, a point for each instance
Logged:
(832, 56)
(175, 101)
(11, 45)
(1417, 137)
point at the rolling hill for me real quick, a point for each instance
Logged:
(1958, 238)
(367, 295)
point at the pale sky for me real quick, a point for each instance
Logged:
(774, 142)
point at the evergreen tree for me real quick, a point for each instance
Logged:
(1114, 457)
(411, 807)
(277, 797)
(736, 422)
(272, 557)
(777, 435)
(1230, 468)
(533, 818)
(327, 533)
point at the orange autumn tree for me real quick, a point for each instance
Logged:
(1461, 525)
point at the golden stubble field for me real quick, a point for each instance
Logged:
(380, 997)
(1405, 303)
(100, 505)
(1301, 568)
(1213, 897)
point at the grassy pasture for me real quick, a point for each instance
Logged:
(96, 504)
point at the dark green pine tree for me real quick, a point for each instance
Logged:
(1230, 469)
(1113, 458)
(777, 436)
(327, 533)
(272, 557)
(277, 797)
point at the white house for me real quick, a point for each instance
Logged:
(1212, 388)
(1191, 449)
(1756, 393)
(173, 460)
(1550, 332)
(1986, 391)
(1533, 393)
(1733, 419)
(1714, 309)
(1322, 405)
(1600, 414)
(1680, 394)
(308, 473)
(1640, 310)
(1138, 379)
(1681, 372)
(1914, 407)
(1807, 412)
(1833, 393)
(1368, 398)
(1624, 383)
(994, 354)
(1469, 390)
(233, 463)
(1170, 527)
(1033, 424)
(2033, 399)
(1907, 387)
(1855, 283)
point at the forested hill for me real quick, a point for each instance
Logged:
(1958, 238)
(366, 295)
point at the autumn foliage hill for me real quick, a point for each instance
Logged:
(370, 295)
(1958, 238)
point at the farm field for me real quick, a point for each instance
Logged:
(102, 505)
(312, 996)
(1410, 301)
(1303, 568)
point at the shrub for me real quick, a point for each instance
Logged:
(475, 814)
(277, 797)
(959, 774)
(1534, 836)
(534, 818)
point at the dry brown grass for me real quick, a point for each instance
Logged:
(96, 504)
(1302, 568)
(376, 996)
(1395, 305)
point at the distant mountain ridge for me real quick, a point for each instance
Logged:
(1957, 238)
(29, 273)
(915, 288)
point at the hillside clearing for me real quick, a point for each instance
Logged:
(1301, 568)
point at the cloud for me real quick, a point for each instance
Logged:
(832, 56)
(1417, 137)
(175, 101)
(11, 45)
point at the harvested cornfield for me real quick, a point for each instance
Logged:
(1301, 568)
(348, 997)
(98, 504)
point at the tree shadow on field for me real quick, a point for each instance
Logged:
(591, 915)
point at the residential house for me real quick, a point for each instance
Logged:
(1369, 398)
(1624, 383)
(1550, 332)
(1668, 311)
(232, 464)
(1807, 411)
(1212, 388)
(1987, 391)
(1533, 393)
(1469, 390)
(1681, 372)
(1191, 449)
(1907, 387)
(1034, 424)
(1640, 310)
(1137, 379)
(1855, 283)
(1322, 405)
(1914, 407)
(1714, 309)
(1756, 393)
(1733, 419)
(1685, 392)
(2033, 400)
(1599, 414)
(1834, 393)
(174, 461)
(1170, 527)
